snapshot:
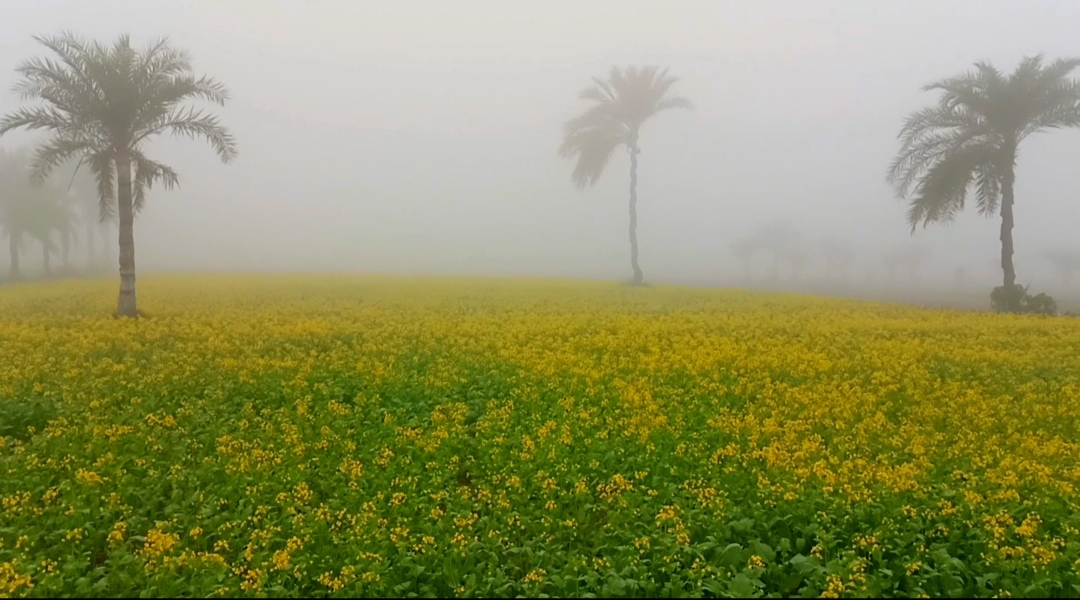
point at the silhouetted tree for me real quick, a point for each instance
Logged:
(53, 214)
(744, 251)
(907, 257)
(14, 205)
(971, 138)
(838, 255)
(785, 244)
(621, 105)
(102, 104)
(31, 211)
(81, 192)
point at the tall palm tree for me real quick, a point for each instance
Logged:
(971, 138)
(621, 105)
(102, 104)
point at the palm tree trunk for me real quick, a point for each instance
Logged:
(126, 306)
(638, 277)
(1007, 199)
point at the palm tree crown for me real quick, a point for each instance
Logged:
(972, 134)
(101, 100)
(970, 139)
(102, 104)
(622, 104)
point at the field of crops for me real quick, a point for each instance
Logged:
(380, 436)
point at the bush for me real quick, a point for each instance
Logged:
(1018, 300)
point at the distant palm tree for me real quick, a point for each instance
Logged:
(622, 104)
(102, 104)
(785, 244)
(971, 137)
(838, 254)
(38, 212)
(16, 215)
(744, 250)
(52, 213)
(80, 191)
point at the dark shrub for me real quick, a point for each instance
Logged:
(1018, 300)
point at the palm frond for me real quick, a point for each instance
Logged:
(621, 104)
(104, 169)
(194, 124)
(987, 188)
(54, 152)
(146, 174)
(592, 149)
(941, 192)
(1054, 102)
(676, 102)
(38, 117)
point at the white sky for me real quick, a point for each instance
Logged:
(421, 136)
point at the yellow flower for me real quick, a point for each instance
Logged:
(11, 581)
(88, 477)
(281, 560)
(159, 542)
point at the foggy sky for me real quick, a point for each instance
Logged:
(421, 136)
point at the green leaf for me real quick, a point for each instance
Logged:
(730, 555)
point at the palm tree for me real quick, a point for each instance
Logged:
(744, 250)
(785, 244)
(33, 212)
(838, 255)
(621, 105)
(102, 104)
(15, 207)
(971, 137)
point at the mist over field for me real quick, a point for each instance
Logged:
(416, 137)
(479, 299)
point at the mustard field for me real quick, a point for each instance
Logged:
(331, 435)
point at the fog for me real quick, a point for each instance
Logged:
(421, 137)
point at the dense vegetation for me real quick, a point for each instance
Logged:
(296, 436)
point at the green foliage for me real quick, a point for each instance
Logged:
(339, 437)
(21, 419)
